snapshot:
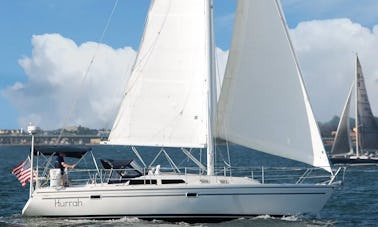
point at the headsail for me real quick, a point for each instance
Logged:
(263, 103)
(367, 126)
(342, 144)
(166, 100)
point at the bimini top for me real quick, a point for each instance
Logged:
(70, 150)
(116, 164)
(124, 169)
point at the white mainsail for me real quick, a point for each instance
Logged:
(166, 100)
(263, 102)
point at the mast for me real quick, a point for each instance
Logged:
(211, 94)
(356, 107)
(31, 130)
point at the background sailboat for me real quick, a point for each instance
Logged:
(366, 128)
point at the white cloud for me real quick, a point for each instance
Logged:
(55, 81)
(326, 50)
(363, 12)
(55, 74)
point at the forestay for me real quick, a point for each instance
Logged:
(263, 102)
(166, 101)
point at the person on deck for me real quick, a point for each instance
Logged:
(60, 164)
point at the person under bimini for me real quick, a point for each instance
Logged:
(60, 164)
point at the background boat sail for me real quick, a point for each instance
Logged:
(170, 101)
(366, 128)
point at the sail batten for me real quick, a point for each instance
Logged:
(263, 102)
(166, 97)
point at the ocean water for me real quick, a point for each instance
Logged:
(355, 203)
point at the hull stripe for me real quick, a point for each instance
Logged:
(183, 188)
(184, 195)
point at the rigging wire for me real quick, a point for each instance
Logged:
(75, 101)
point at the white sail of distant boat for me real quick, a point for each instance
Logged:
(171, 102)
(342, 144)
(366, 128)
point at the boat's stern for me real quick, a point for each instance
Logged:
(26, 209)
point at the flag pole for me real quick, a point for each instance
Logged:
(31, 130)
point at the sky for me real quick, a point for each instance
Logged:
(64, 63)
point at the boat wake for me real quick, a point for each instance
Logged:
(262, 220)
(293, 220)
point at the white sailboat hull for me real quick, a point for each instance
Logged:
(170, 101)
(191, 202)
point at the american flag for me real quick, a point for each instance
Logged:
(23, 171)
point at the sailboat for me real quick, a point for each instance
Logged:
(171, 102)
(366, 128)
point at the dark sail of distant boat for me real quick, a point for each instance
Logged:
(367, 126)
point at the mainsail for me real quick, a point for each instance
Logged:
(342, 144)
(263, 102)
(367, 125)
(166, 100)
